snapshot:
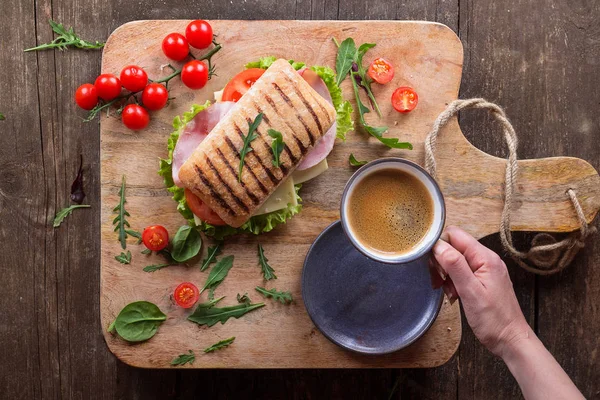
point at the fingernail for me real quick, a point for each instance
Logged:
(440, 247)
(451, 296)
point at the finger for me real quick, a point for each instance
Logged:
(450, 291)
(456, 266)
(437, 274)
(476, 254)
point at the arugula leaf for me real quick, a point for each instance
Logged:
(210, 303)
(282, 297)
(218, 273)
(183, 359)
(265, 62)
(155, 267)
(62, 214)
(211, 257)
(124, 258)
(120, 220)
(210, 316)
(277, 146)
(354, 162)
(186, 244)
(146, 251)
(268, 272)
(345, 57)
(220, 345)
(135, 234)
(247, 140)
(2, 117)
(65, 39)
(244, 299)
(138, 321)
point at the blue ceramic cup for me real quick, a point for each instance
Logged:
(432, 235)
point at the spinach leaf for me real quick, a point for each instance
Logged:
(354, 162)
(218, 273)
(186, 244)
(282, 297)
(345, 57)
(277, 146)
(138, 321)
(183, 359)
(220, 345)
(211, 257)
(210, 316)
(62, 214)
(268, 272)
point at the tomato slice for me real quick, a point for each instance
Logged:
(240, 84)
(186, 295)
(404, 99)
(381, 71)
(155, 237)
(201, 210)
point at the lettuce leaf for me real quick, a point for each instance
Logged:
(265, 62)
(342, 107)
(256, 225)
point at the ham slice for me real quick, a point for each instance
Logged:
(324, 146)
(195, 132)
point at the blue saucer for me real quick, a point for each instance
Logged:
(361, 304)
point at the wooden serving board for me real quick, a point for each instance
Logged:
(428, 57)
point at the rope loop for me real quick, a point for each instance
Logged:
(547, 255)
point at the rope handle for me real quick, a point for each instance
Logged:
(545, 251)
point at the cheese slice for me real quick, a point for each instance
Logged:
(284, 195)
(310, 173)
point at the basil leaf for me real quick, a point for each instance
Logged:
(220, 345)
(354, 162)
(218, 273)
(210, 316)
(138, 321)
(186, 244)
(345, 57)
(282, 297)
(277, 146)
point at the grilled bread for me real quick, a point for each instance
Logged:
(290, 106)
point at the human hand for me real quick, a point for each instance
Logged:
(479, 277)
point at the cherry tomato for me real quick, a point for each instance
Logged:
(186, 295)
(381, 71)
(155, 96)
(135, 117)
(194, 74)
(404, 99)
(175, 46)
(201, 210)
(86, 96)
(199, 34)
(155, 237)
(134, 78)
(240, 83)
(108, 86)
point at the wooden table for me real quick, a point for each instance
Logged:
(541, 66)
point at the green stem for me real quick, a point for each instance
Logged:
(51, 45)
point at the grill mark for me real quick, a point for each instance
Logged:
(306, 104)
(239, 201)
(272, 177)
(289, 153)
(267, 146)
(237, 153)
(259, 111)
(321, 107)
(214, 194)
(248, 192)
(289, 102)
(298, 141)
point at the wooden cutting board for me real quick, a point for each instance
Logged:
(428, 57)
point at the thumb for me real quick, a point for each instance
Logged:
(456, 266)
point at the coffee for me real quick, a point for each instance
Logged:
(390, 211)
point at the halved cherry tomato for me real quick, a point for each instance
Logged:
(404, 99)
(381, 71)
(240, 83)
(175, 46)
(134, 78)
(186, 294)
(194, 74)
(201, 210)
(135, 117)
(155, 96)
(108, 86)
(86, 96)
(199, 34)
(155, 237)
